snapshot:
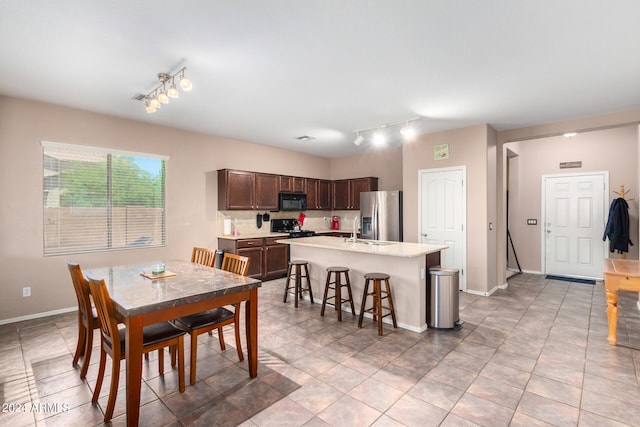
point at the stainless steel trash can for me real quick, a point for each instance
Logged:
(443, 309)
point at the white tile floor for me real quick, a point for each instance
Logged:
(533, 354)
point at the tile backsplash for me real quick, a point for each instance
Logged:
(245, 221)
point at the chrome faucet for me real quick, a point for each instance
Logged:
(355, 235)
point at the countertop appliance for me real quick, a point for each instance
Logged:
(335, 222)
(290, 226)
(292, 201)
(381, 215)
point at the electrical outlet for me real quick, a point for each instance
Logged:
(26, 291)
(532, 222)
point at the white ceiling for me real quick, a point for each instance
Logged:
(269, 71)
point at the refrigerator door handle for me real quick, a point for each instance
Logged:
(376, 228)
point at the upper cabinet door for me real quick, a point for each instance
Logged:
(324, 195)
(292, 184)
(341, 194)
(312, 193)
(266, 191)
(299, 184)
(235, 190)
(358, 186)
(286, 183)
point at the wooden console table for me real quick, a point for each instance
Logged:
(619, 274)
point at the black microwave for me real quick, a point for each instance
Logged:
(292, 201)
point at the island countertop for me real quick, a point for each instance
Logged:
(374, 247)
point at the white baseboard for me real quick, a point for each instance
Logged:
(486, 294)
(37, 315)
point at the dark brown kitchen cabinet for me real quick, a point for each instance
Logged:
(346, 192)
(268, 259)
(318, 194)
(292, 184)
(241, 190)
(276, 258)
(266, 191)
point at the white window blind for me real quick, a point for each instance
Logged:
(100, 200)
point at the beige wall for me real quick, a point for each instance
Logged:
(468, 147)
(613, 150)
(191, 192)
(385, 164)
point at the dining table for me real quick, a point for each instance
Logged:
(141, 298)
(619, 275)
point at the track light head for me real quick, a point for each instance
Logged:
(359, 139)
(185, 83)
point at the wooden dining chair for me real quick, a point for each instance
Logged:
(203, 256)
(209, 320)
(154, 337)
(87, 318)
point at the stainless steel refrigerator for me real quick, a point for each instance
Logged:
(381, 215)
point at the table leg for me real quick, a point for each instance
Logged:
(251, 318)
(134, 369)
(612, 315)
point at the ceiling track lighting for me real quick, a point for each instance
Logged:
(160, 94)
(407, 131)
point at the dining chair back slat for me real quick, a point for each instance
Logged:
(236, 264)
(203, 256)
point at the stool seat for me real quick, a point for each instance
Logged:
(338, 284)
(294, 273)
(377, 276)
(377, 294)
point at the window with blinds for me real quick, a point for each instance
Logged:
(101, 200)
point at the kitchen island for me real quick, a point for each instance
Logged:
(406, 263)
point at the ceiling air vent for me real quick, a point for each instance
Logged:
(305, 138)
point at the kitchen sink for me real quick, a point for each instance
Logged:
(369, 242)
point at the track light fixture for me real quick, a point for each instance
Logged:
(358, 139)
(379, 137)
(160, 95)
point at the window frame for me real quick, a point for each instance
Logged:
(49, 149)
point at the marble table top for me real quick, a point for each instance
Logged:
(375, 247)
(133, 294)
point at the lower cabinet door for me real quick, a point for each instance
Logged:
(276, 261)
(255, 263)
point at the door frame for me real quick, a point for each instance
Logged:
(463, 204)
(543, 207)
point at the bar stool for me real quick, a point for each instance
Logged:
(376, 309)
(297, 276)
(338, 284)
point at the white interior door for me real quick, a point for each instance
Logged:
(442, 215)
(574, 213)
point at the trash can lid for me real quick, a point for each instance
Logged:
(438, 271)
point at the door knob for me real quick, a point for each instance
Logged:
(424, 234)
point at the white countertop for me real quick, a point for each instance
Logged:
(400, 249)
(256, 235)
